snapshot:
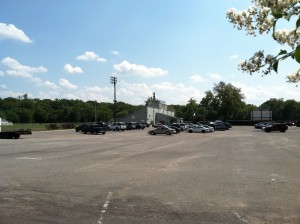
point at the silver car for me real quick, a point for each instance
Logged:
(162, 130)
(198, 129)
(117, 126)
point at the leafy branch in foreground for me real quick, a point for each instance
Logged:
(262, 18)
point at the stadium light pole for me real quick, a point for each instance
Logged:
(95, 111)
(113, 80)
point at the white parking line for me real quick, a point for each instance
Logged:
(32, 158)
(104, 208)
(240, 217)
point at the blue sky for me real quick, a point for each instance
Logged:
(177, 49)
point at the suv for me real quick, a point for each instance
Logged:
(131, 125)
(282, 127)
(117, 126)
(218, 125)
(94, 129)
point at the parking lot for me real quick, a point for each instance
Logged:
(242, 175)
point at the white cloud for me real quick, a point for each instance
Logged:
(1, 73)
(15, 65)
(72, 70)
(51, 85)
(139, 70)
(36, 80)
(90, 56)
(18, 73)
(197, 78)
(259, 94)
(66, 84)
(138, 93)
(235, 56)
(214, 76)
(115, 52)
(9, 31)
(176, 93)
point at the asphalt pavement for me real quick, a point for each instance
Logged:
(242, 175)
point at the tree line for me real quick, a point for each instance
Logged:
(224, 102)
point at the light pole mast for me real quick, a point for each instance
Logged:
(95, 111)
(113, 80)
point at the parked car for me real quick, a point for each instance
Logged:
(211, 129)
(290, 123)
(117, 126)
(218, 125)
(227, 125)
(181, 126)
(265, 124)
(162, 130)
(80, 127)
(258, 125)
(131, 125)
(282, 127)
(177, 129)
(140, 125)
(94, 129)
(146, 125)
(198, 129)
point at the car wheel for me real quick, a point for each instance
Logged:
(190, 131)
(168, 133)
(84, 132)
(103, 133)
(152, 133)
(203, 131)
(117, 129)
(108, 129)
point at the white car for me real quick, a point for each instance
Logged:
(198, 129)
(211, 129)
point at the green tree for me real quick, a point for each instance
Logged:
(261, 18)
(192, 112)
(291, 108)
(228, 100)
(104, 113)
(24, 115)
(12, 116)
(209, 106)
(40, 115)
(276, 106)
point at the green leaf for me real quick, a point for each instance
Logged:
(297, 54)
(298, 23)
(275, 66)
(282, 52)
(277, 15)
(274, 28)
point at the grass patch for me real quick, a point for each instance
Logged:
(37, 127)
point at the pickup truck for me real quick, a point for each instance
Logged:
(94, 129)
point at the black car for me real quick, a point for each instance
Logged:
(282, 127)
(140, 126)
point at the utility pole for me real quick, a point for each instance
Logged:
(95, 111)
(113, 80)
